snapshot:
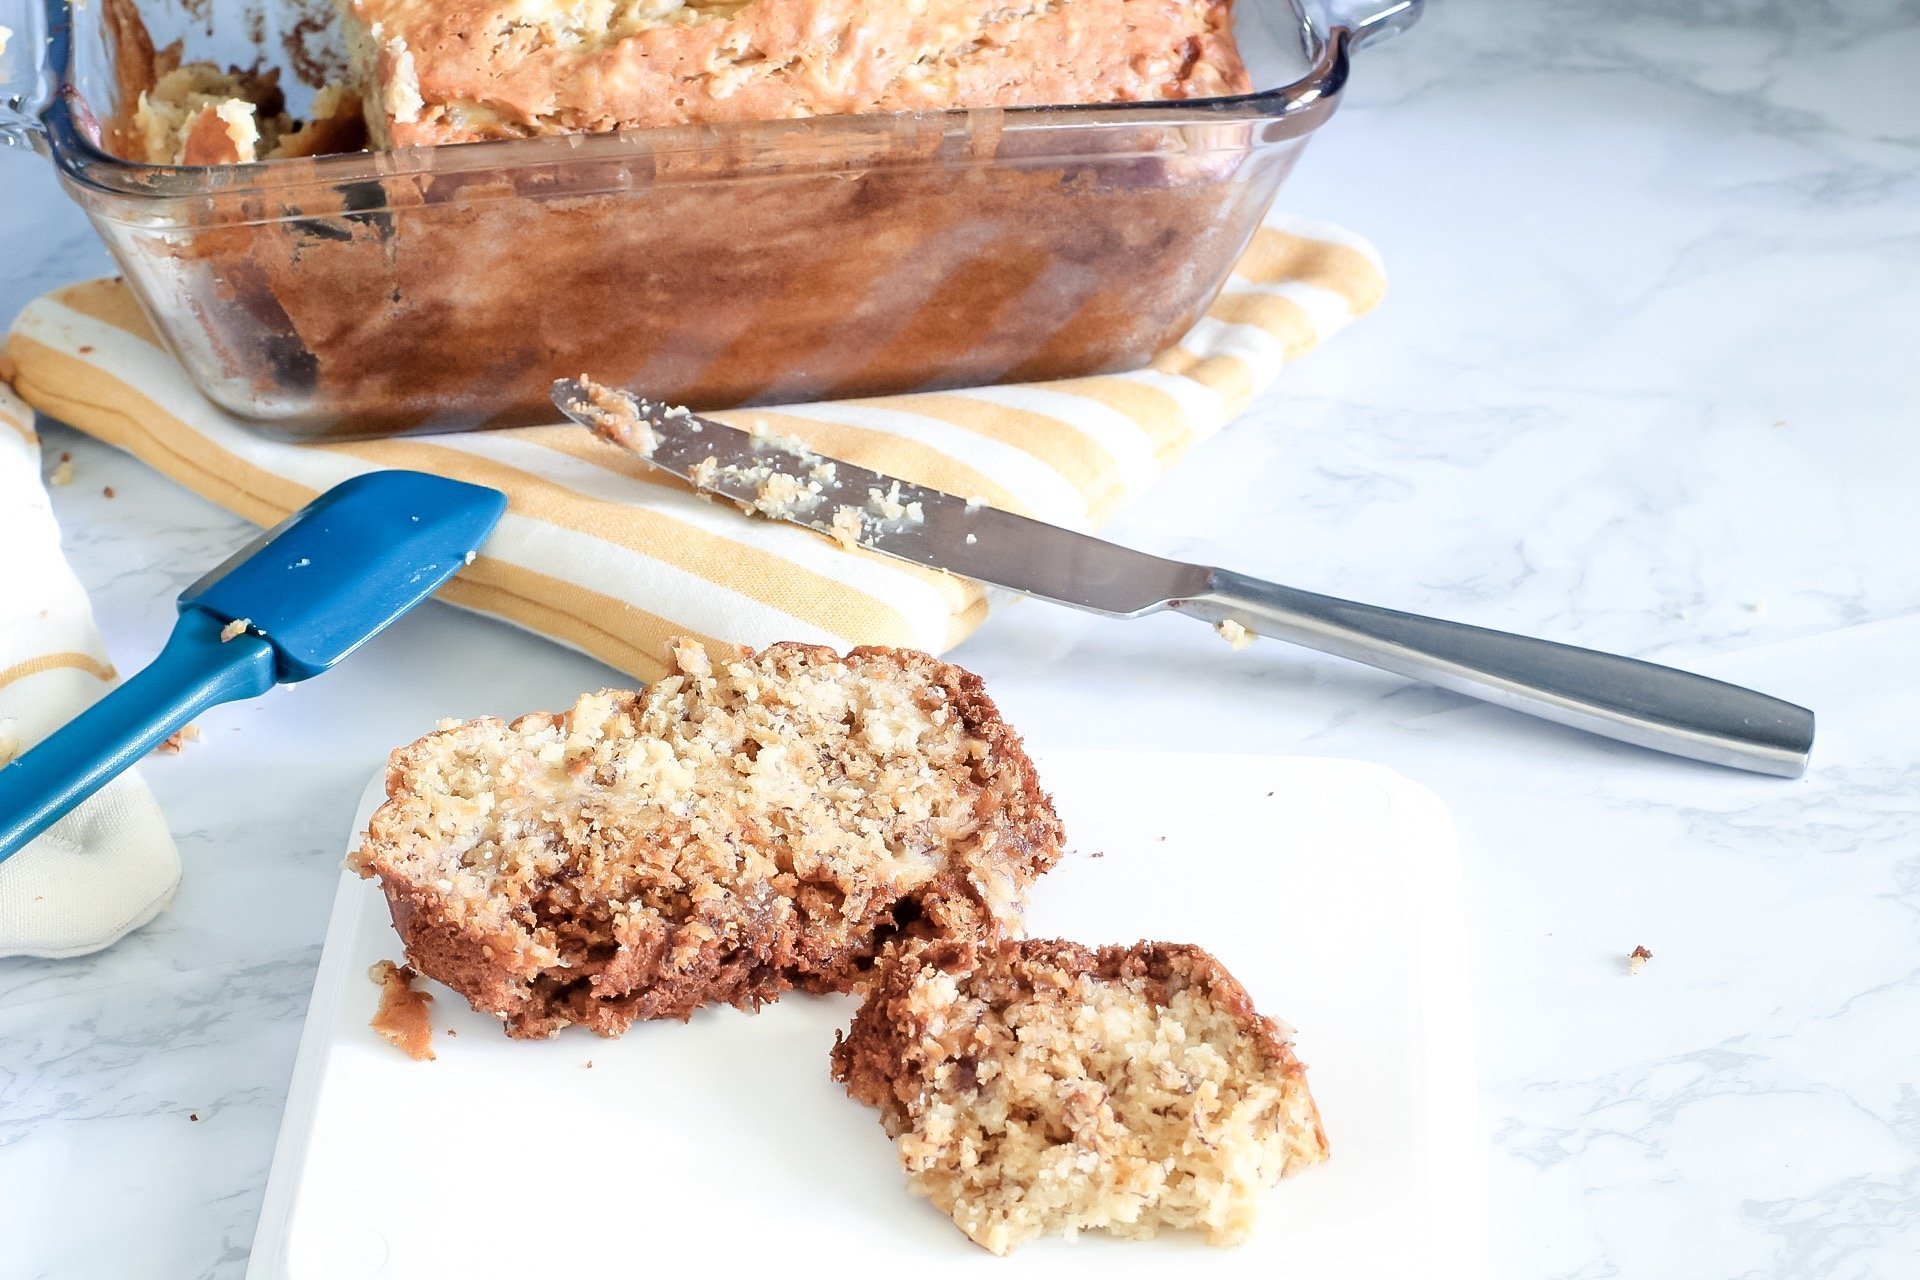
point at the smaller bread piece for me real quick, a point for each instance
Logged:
(1041, 1086)
(741, 827)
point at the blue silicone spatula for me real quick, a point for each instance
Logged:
(286, 607)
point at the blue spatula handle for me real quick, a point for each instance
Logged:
(195, 671)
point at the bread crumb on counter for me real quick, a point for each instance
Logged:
(235, 629)
(176, 741)
(1637, 959)
(9, 740)
(402, 1018)
(62, 471)
(1234, 634)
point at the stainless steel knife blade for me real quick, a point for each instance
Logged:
(1620, 698)
(782, 478)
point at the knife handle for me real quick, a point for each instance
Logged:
(195, 670)
(1621, 698)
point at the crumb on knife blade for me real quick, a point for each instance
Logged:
(847, 526)
(617, 417)
(888, 506)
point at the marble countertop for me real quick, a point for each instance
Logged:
(1645, 381)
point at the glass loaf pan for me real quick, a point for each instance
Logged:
(442, 288)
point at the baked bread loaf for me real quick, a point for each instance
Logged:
(733, 830)
(437, 71)
(1041, 1086)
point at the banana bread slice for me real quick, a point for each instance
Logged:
(1042, 1086)
(736, 829)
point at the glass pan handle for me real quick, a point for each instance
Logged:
(1368, 22)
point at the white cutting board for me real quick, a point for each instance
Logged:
(1329, 887)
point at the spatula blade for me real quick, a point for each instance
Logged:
(333, 574)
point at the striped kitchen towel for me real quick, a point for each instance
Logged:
(602, 554)
(109, 866)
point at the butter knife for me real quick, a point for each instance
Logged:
(1621, 698)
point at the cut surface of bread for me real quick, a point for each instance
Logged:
(1041, 1086)
(741, 827)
